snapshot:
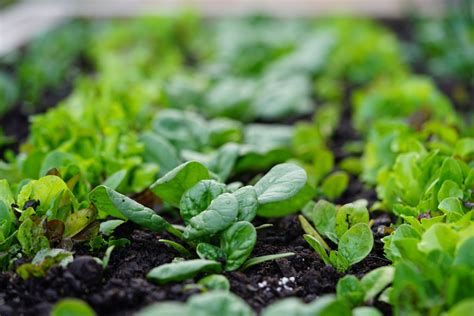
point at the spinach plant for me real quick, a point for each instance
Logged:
(217, 219)
(346, 226)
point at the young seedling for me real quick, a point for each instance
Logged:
(346, 226)
(217, 221)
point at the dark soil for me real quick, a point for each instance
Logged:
(122, 288)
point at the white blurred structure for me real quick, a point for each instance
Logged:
(22, 21)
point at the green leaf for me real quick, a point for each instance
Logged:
(210, 252)
(308, 229)
(439, 236)
(44, 260)
(280, 183)
(180, 271)
(356, 243)
(291, 306)
(335, 185)
(183, 129)
(452, 207)
(283, 97)
(349, 215)
(318, 247)
(7, 221)
(350, 289)
(328, 305)
(323, 216)
(55, 159)
(338, 261)
(465, 148)
(451, 170)
(462, 308)
(220, 214)
(366, 311)
(52, 192)
(248, 203)
(323, 163)
(179, 248)
(107, 228)
(115, 204)
(230, 97)
(215, 282)
(158, 150)
(238, 242)
(6, 194)
(376, 281)
(449, 189)
(31, 237)
(78, 220)
(164, 309)
(223, 130)
(218, 303)
(403, 231)
(72, 307)
(223, 160)
(172, 185)
(465, 254)
(283, 190)
(115, 179)
(199, 197)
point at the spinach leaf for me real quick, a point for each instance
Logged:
(172, 185)
(197, 198)
(335, 185)
(183, 129)
(183, 270)
(323, 216)
(220, 214)
(158, 150)
(248, 203)
(356, 243)
(164, 309)
(238, 242)
(72, 307)
(117, 205)
(218, 303)
(349, 215)
(283, 190)
(210, 252)
(215, 282)
(350, 289)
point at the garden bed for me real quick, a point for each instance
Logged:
(109, 269)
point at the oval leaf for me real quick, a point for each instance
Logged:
(237, 242)
(180, 271)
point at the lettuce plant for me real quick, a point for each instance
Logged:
(44, 214)
(412, 99)
(433, 265)
(427, 182)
